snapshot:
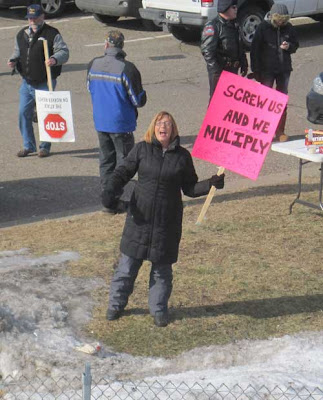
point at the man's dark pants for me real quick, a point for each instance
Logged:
(114, 147)
(215, 76)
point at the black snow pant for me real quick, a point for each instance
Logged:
(122, 284)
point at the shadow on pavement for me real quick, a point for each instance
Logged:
(31, 200)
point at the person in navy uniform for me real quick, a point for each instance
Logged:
(221, 44)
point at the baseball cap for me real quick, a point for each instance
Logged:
(116, 38)
(223, 5)
(34, 11)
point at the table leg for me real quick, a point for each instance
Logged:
(321, 187)
(299, 185)
(306, 203)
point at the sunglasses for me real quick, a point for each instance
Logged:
(166, 123)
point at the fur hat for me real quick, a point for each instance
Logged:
(223, 5)
(280, 9)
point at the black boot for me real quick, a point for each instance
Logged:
(161, 318)
(112, 315)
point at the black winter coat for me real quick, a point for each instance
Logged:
(266, 54)
(153, 225)
(221, 43)
(31, 64)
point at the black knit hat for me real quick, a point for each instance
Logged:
(223, 5)
(280, 9)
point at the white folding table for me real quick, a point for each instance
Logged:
(298, 149)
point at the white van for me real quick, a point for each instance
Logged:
(109, 11)
(304, 8)
(185, 18)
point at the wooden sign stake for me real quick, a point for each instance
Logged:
(48, 70)
(208, 199)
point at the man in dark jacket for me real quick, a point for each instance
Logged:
(274, 42)
(116, 92)
(221, 44)
(29, 59)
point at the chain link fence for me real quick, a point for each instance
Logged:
(87, 388)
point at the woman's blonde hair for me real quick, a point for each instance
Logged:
(279, 20)
(150, 133)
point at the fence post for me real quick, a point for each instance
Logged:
(86, 382)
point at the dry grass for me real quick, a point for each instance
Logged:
(249, 271)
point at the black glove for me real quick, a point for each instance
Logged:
(217, 181)
(256, 76)
(112, 204)
(243, 71)
(122, 207)
(109, 199)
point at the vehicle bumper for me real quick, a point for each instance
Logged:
(126, 8)
(184, 18)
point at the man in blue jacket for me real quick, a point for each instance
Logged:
(116, 92)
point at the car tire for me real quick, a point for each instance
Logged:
(54, 8)
(317, 17)
(150, 25)
(106, 19)
(249, 18)
(185, 34)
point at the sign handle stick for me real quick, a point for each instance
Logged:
(208, 199)
(48, 70)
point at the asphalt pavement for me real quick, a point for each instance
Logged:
(174, 76)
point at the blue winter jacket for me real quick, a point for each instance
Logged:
(116, 91)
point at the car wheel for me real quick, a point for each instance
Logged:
(249, 18)
(105, 19)
(185, 34)
(317, 17)
(53, 8)
(150, 25)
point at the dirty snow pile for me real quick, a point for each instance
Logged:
(43, 310)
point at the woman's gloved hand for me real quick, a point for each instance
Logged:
(217, 181)
(109, 199)
(244, 71)
(112, 204)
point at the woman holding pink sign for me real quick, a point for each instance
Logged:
(153, 225)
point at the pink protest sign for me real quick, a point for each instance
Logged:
(239, 125)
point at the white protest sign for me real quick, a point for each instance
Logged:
(55, 119)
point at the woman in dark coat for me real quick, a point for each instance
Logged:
(153, 225)
(270, 54)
